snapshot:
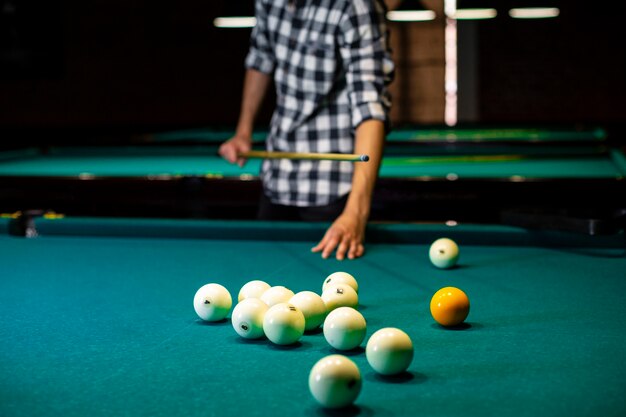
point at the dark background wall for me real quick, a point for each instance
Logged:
(568, 69)
(119, 63)
(151, 65)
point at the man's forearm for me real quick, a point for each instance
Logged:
(254, 89)
(369, 140)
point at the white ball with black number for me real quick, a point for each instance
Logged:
(247, 318)
(212, 302)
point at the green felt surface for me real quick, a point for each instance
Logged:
(396, 233)
(583, 167)
(196, 161)
(100, 326)
(124, 162)
(4, 225)
(498, 134)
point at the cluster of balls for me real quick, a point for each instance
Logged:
(283, 317)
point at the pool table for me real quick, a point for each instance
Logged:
(97, 320)
(416, 183)
(416, 134)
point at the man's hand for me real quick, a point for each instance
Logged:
(346, 235)
(231, 149)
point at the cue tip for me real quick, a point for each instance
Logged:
(364, 158)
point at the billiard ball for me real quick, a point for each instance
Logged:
(344, 328)
(340, 295)
(253, 289)
(444, 253)
(283, 324)
(341, 278)
(312, 306)
(449, 306)
(276, 294)
(247, 318)
(389, 351)
(335, 381)
(212, 302)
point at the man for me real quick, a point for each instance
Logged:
(331, 67)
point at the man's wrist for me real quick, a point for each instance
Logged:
(358, 208)
(245, 132)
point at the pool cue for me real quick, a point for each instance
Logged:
(305, 155)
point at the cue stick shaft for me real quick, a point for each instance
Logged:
(305, 155)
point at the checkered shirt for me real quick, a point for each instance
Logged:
(331, 66)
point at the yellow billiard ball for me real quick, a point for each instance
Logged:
(449, 306)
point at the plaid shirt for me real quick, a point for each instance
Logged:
(331, 65)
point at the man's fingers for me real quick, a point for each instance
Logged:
(342, 241)
(354, 249)
(228, 152)
(231, 149)
(343, 248)
(330, 246)
(341, 251)
(222, 150)
(321, 243)
(241, 148)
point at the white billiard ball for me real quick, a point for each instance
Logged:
(389, 351)
(340, 295)
(275, 295)
(253, 289)
(344, 328)
(283, 324)
(212, 302)
(444, 253)
(312, 306)
(247, 318)
(335, 381)
(341, 278)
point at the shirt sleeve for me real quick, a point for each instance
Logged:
(260, 55)
(363, 44)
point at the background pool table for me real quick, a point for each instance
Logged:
(97, 319)
(421, 134)
(427, 175)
